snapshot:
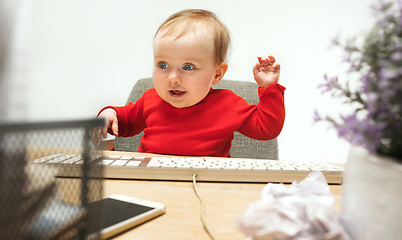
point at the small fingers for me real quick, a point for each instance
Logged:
(256, 68)
(272, 59)
(96, 136)
(265, 62)
(115, 128)
(104, 132)
(276, 66)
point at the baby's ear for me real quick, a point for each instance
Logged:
(220, 72)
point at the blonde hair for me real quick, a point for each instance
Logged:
(188, 20)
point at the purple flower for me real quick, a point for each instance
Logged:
(316, 117)
(386, 73)
(376, 122)
(330, 84)
(396, 56)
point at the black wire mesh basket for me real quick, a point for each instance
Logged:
(35, 202)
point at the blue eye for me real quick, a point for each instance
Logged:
(188, 67)
(163, 65)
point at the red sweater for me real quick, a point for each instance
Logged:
(205, 129)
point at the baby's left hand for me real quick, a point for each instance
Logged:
(266, 71)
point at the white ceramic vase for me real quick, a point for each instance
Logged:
(372, 196)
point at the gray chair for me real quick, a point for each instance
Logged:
(242, 146)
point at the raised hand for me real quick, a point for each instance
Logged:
(266, 71)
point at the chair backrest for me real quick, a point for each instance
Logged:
(242, 146)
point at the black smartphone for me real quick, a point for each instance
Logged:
(121, 213)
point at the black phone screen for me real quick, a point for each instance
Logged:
(115, 211)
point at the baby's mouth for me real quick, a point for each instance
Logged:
(177, 93)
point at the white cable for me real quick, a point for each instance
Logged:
(204, 223)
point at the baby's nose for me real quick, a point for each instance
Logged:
(174, 78)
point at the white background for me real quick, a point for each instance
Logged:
(89, 53)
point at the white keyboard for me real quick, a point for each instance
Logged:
(207, 169)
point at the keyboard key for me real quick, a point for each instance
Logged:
(133, 163)
(119, 163)
(107, 162)
(46, 158)
(61, 158)
(260, 168)
(72, 160)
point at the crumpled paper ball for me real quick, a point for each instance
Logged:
(303, 211)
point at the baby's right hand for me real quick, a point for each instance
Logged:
(111, 126)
